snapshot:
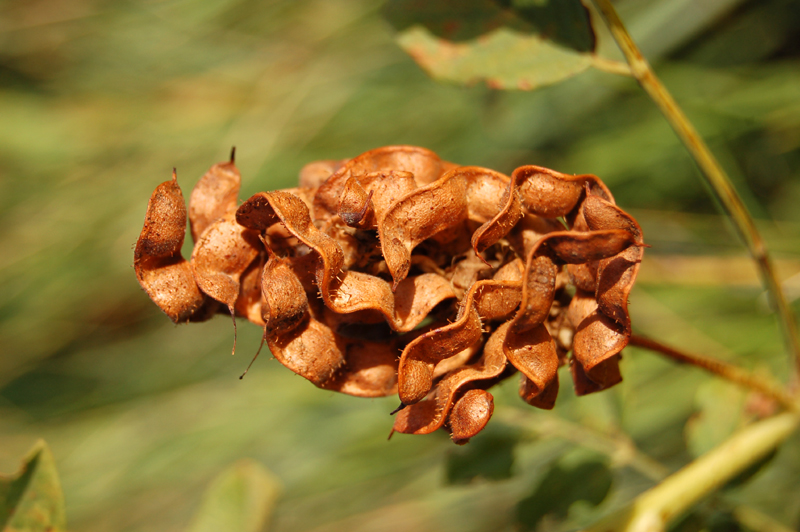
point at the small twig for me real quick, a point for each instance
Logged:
(723, 369)
(712, 172)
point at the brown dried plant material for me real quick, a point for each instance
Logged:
(395, 272)
(470, 415)
(214, 196)
(426, 416)
(221, 256)
(418, 216)
(161, 269)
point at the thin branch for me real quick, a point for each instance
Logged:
(725, 370)
(712, 172)
(655, 508)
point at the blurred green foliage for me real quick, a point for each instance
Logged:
(100, 99)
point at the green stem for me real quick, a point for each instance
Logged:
(653, 509)
(712, 172)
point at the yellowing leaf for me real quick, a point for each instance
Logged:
(31, 499)
(509, 44)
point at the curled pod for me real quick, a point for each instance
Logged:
(160, 268)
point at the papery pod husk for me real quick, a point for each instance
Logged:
(431, 414)
(248, 304)
(214, 196)
(533, 353)
(470, 415)
(311, 349)
(420, 357)
(419, 215)
(366, 198)
(315, 173)
(221, 256)
(347, 291)
(540, 191)
(355, 205)
(403, 309)
(369, 370)
(596, 346)
(424, 164)
(542, 267)
(268, 208)
(283, 300)
(397, 272)
(160, 268)
(615, 275)
(415, 372)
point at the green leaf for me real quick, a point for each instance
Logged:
(510, 44)
(562, 486)
(31, 500)
(719, 414)
(240, 499)
(490, 457)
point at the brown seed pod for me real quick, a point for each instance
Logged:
(470, 415)
(160, 268)
(426, 416)
(221, 256)
(214, 196)
(397, 272)
(418, 216)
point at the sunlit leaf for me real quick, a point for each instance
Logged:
(510, 44)
(31, 499)
(240, 499)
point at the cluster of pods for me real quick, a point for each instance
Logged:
(396, 272)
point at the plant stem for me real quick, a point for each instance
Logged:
(653, 509)
(723, 369)
(712, 172)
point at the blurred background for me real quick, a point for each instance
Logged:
(100, 99)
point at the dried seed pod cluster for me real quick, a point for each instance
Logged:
(397, 272)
